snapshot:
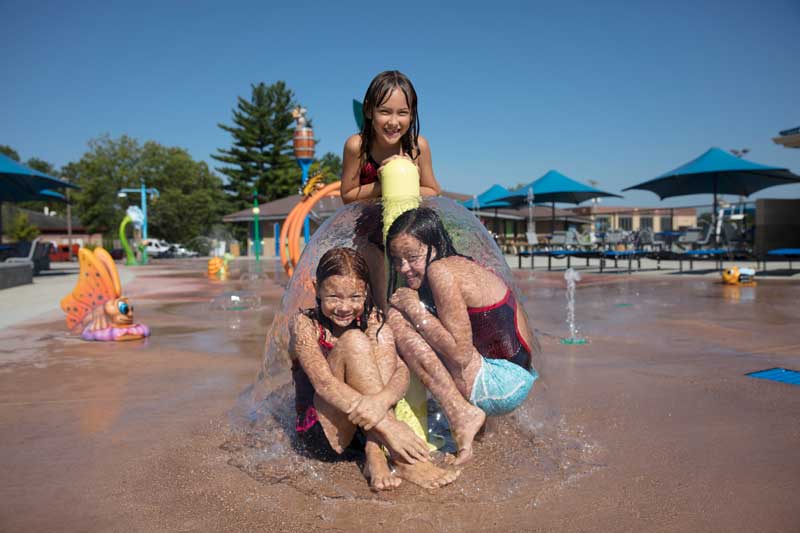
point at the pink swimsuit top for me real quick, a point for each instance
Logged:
(495, 333)
(369, 172)
(304, 390)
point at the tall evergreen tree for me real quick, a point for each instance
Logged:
(260, 157)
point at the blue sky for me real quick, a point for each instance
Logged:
(615, 92)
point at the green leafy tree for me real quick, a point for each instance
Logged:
(331, 165)
(260, 156)
(42, 166)
(21, 229)
(10, 152)
(191, 199)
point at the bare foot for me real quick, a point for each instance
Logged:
(464, 430)
(376, 469)
(426, 475)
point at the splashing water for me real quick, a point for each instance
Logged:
(236, 301)
(571, 276)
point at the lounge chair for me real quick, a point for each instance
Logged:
(559, 247)
(734, 240)
(37, 253)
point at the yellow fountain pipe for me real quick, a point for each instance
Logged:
(400, 192)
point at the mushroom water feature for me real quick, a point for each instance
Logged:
(263, 442)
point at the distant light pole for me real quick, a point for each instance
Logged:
(256, 236)
(144, 191)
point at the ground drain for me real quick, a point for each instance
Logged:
(782, 375)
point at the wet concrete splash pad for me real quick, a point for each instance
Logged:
(658, 427)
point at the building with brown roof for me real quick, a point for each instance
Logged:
(508, 225)
(637, 218)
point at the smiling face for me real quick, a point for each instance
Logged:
(119, 311)
(342, 299)
(409, 257)
(391, 118)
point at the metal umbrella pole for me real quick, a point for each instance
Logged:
(531, 222)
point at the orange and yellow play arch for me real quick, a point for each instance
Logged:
(289, 247)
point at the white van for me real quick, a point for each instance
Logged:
(156, 247)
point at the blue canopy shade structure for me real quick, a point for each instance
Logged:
(717, 172)
(19, 183)
(490, 198)
(556, 187)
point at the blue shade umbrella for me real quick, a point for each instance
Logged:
(19, 183)
(492, 197)
(556, 187)
(717, 172)
(489, 199)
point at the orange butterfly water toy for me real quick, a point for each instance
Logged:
(96, 303)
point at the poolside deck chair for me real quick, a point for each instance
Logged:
(530, 250)
(37, 253)
(733, 239)
(644, 240)
(697, 238)
(562, 244)
(689, 238)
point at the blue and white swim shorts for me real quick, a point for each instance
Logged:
(501, 386)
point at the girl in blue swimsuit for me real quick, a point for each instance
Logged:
(457, 326)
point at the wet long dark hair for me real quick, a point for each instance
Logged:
(342, 262)
(378, 91)
(424, 225)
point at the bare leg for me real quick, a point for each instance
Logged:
(450, 390)
(366, 368)
(353, 362)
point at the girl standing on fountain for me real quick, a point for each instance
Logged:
(347, 376)
(457, 326)
(391, 129)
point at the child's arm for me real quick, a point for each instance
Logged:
(428, 186)
(304, 345)
(352, 189)
(451, 333)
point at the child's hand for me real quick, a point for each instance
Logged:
(405, 300)
(402, 441)
(368, 411)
